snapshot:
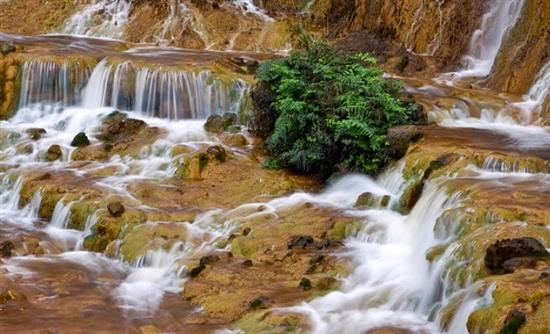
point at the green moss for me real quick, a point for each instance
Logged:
(344, 229)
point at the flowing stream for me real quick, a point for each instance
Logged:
(392, 284)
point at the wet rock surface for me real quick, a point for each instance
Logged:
(508, 254)
(220, 123)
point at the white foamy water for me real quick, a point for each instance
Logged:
(392, 283)
(163, 92)
(486, 41)
(102, 18)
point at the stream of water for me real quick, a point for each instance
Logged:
(392, 284)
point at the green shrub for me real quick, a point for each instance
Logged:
(320, 110)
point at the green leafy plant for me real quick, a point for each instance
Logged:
(321, 111)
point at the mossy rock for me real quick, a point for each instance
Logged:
(80, 140)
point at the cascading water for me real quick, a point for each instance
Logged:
(536, 96)
(49, 82)
(168, 93)
(103, 18)
(392, 283)
(486, 41)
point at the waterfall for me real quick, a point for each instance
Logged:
(392, 282)
(541, 87)
(61, 212)
(169, 93)
(248, 7)
(486, 41)
(535, 97)
(46, 81)
(103, 18)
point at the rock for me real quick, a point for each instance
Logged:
(9, 295)
(300, 241)
(35, 133)
(220, 123)
(116, 209)
(197, 270)
(117, 127)
(399, 138)
(411, 195)
(514, 320)
(24, 148)
(11, 73)
(246, 231)
(6, 248)
(234, 139)
(80, 140)
(247, 263)
(195, 165)
(234, 129)
(7, 47)
(512, 265)
(305, 283)
(180, 149)
(385, 201)
(367, 199)
(208, 259)
(54, 153)
(217, 152)
(316, 259)
(261, 302)
(364, 200)
(504, 250)
(326, 283)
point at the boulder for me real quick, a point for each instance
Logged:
(499, 255)
(399, 138)
(54, 153)
(80, 140)
(35, 133)
(195, 165)
(220, 123)
(364, 200)
(117, 127)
